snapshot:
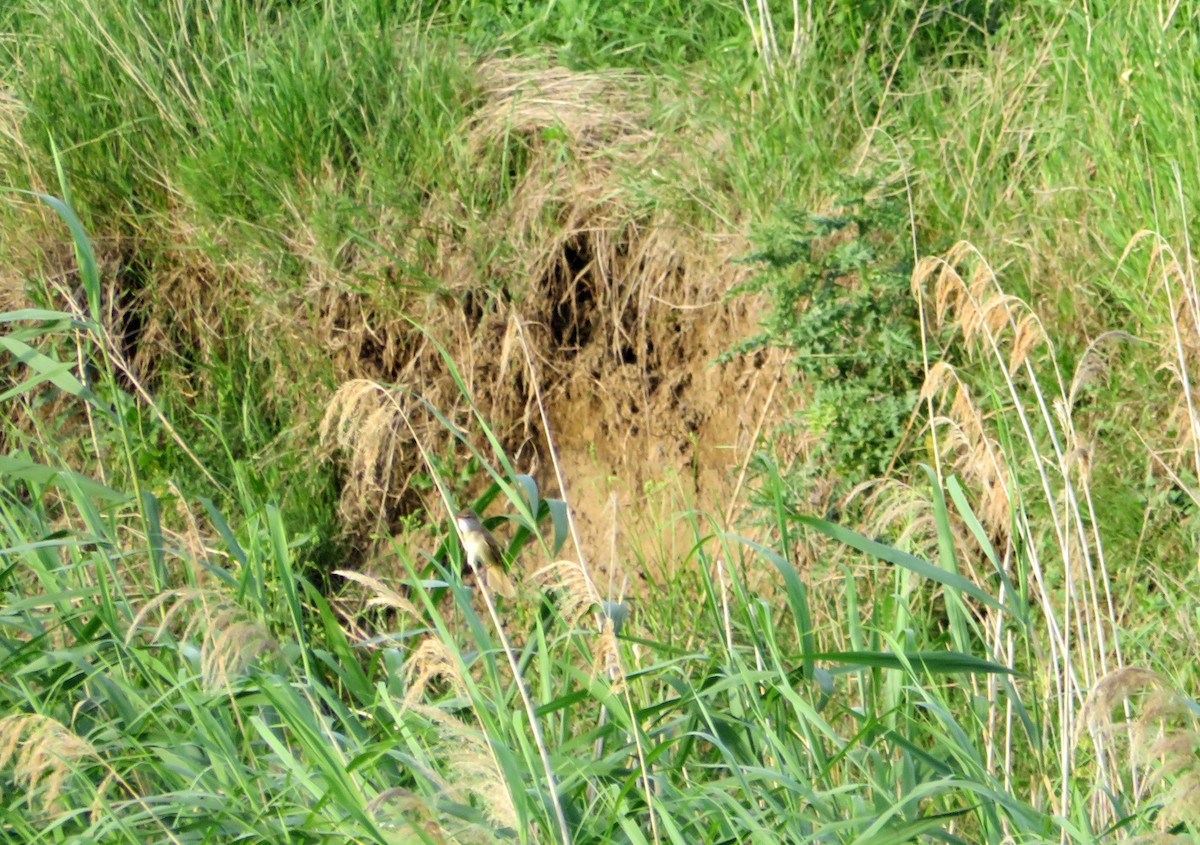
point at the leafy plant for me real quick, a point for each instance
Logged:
(838, 285)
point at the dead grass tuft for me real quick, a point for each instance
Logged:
(43, 753)
(621, 297)
(606, 656)
(970, 450)
(1027, 424)
(575, 592)
(188, 302)
(890, 503)
(579, 221)
(381, 594)
(12, 290)
(576, 595)
(16, 156)
(432, 660)
(1137, 711)
(595, 110)
(477, 771)
(1171, 277)
(231, 639)
(471, 761)
(366, 421)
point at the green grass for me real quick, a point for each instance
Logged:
(987, 648)
(165, 690)
(234, 706)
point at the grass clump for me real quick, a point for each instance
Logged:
(203, 666)
(495, 264)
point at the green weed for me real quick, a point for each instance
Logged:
(840, 305)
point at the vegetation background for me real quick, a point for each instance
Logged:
(827, 367)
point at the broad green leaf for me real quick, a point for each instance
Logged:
(934, 662)
(41, 315)
(909, 831)
(558, 515)
(48, 369)
(891, 555)
(23, 469)
(797, 591)
(88, 269)
(154, 538)
(531, 493)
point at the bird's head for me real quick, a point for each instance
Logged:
(468, 520)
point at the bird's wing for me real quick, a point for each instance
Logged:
(498, 582)
(494, 548)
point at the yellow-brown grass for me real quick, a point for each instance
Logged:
(43, 753)
(1136, 714)
(1054, 530)
(432, 660)
(622, 301)
(1171, 279)
(380, 594)
(471, 760)
(593, 246)
(231, 640)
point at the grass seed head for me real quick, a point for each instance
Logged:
(432, 659)
(43, 753)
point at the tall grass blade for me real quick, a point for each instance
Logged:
(891, 555)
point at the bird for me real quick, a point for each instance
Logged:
(484, 554)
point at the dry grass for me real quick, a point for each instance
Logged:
(12, 291)
(1034, 405)
(231, 639)
(622, 302)
(470, 757)
(478, 772)
(366, 421)
(381, 595)
(1136, 713)
(1171, 278)
(43, 753)
(431, 660)
(570, 583)
(621, 292)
